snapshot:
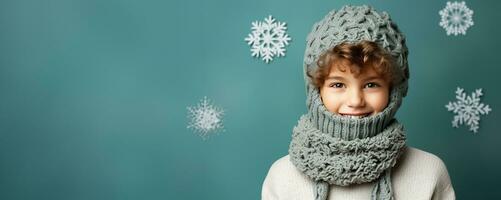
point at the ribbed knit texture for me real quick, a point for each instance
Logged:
(325, 144)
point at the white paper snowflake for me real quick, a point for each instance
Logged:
(268, 39)
(468, 109)
(205, 118)
(456, 18)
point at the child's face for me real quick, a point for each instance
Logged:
(361, 96)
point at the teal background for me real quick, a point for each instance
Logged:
(93, 95)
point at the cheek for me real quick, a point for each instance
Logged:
(378, 101)
(330, 101)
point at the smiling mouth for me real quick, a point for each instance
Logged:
(355, 116)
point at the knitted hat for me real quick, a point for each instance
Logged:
(352, 24)
(334, 149)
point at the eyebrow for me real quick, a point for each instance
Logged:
(365, 79)
(373, 78)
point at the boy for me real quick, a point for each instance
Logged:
(349, 145)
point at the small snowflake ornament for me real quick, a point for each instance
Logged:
(456, 18)
(205, 118)
(268, 39)
(468, 109)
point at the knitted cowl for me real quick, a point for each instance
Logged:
(333, 149)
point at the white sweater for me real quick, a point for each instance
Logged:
(418, 175)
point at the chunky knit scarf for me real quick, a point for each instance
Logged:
(333, 149)
(330, 160)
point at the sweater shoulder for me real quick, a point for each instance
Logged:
(414, 157)
(283, 163)
(285, 181)
(283, 168)
(423, 171)
(421, 155)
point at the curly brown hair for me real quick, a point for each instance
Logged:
(356, 57)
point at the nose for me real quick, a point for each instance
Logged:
(356, 99)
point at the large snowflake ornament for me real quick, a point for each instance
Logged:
(205, 118)
(468, 109)
(268, 39)
(456, 18)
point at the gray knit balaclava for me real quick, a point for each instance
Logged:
(334, 149)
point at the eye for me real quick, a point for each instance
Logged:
(336, 85)
(372, 85)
